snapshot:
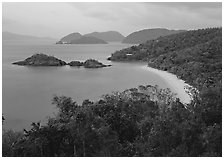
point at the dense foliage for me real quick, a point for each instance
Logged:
(166, 44)
(148, 34)
(143, 121)
(200, 66)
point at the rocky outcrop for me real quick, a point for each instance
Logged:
(91, 63)
(75, 63)
(41, 60)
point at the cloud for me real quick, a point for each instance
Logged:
(107, 11)
(190, 5)
(179, 15)
(104, 15)
(206, 9)
(58, 19)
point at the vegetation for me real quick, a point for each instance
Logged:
(95, 37)
(75, 63)
(68, 38)
(45, 60)
(200, 65)
(41, 60)
(142, 36)
(143, 121)
(163, 45)
(107, 36)
(88, 40)
(91, 63)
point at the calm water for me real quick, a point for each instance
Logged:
(27, 91)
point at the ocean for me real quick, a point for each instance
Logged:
(27, 91)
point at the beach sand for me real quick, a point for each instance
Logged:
(175, 84)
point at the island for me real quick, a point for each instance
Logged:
(45, 60)
(68, 38)
(41, 60)
(90, 63)
(88, 40)
(75, 63)
(109, 36)
(92, 38)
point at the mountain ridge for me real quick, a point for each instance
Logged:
(68, 38)
(109, 36)
(142, 36)
(88, 40)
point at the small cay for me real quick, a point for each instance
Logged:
(75, 63)
(91, 63)
(41, 60)
(45, 60)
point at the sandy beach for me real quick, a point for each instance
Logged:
(176, 85)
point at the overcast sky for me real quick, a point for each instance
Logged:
(59, 19)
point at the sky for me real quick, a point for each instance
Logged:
(57, 19)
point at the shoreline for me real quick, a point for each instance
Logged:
(176, 85)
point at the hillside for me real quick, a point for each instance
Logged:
(144, 121)
(109, 36)
(199, 65)
(194, 56)
(148, 34)
(68, 38)
(163, 45)
(88, 40)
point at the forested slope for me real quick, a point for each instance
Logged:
(194, 56)
(142, 36)
(166, 44)
(143, 121)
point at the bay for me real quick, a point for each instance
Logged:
(27, 91)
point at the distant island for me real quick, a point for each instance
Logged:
(88, 40)
(92, 38)
(142, 36)
(68, 38)
(109, 36)
(45, 60)
(114, 36)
